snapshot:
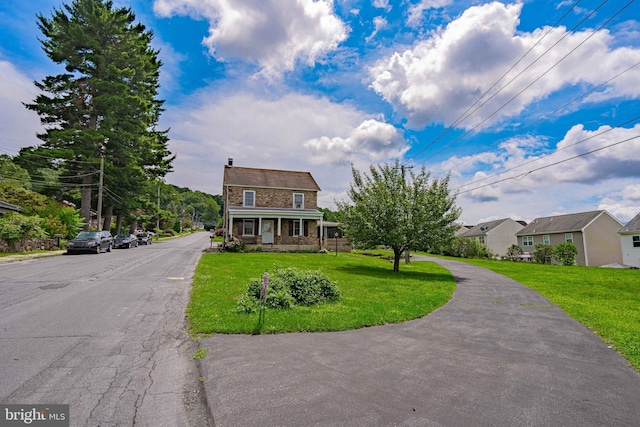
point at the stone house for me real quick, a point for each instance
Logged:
(275, 210)
(594, 233)
(630, 242)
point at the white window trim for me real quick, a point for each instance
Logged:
(546, 239)
(244, 229)
(635, 240)
(568, 237)
(527, 240)
(294, 200)
(244, 198)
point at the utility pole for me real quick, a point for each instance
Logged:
(407, 254)
(100, 193)
(158, 218)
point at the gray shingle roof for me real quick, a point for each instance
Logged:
(483, 228)
(559, 223)
(632, 226)
(269, 178)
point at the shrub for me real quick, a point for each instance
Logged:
(543, 253)
(514, 252)
(565, 253)
(233, 245)
(15, 227)
(287, 287)
(467, 248)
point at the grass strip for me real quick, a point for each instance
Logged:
(371, 293)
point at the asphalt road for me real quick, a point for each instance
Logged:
(105, 334)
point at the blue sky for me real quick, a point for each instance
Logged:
(532, 107)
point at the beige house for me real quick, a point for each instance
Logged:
(272, 209)
(497, 236)
(594, 233)
(630, 242)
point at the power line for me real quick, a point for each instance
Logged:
(467, 112)
(522, 176)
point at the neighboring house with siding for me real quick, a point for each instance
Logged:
(273, 209)
(630, 242)
(498, 236)
(594, 233)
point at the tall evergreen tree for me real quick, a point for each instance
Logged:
(105, 103)
(388, 209)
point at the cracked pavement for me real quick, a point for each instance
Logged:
(105, 334)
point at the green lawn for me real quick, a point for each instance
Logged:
(605, 300)
(371, 293)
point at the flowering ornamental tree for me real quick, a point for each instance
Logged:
(387, 209)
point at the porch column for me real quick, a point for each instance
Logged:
(279, 226)
(259, 226)
(230, 232)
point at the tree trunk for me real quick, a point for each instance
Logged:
(85, 203)
(397, 253)
(108, 214)
(118, 224)
(134, 226)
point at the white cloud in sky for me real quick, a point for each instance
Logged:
(438, 78)
(19, 125)
(509, 176)
(416, 11)
(275, 34)
(291, 131)
(380, 23)
(382, 4)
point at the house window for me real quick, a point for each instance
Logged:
(297, 229)
(298, 201)
(527, 240)
(636, 241)
(249, 198)
(248, 227)
(568, 237)
(546, 240)
(481, 239)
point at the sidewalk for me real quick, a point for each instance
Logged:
(497, 354)
(16, 258)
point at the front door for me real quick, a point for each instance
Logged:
(267, 232)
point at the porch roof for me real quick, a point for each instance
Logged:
(244, 212)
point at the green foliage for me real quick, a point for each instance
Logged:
(462, 247)
(289, 286)
(29, 201)
(233, 245)
(387, 209)
(514, 252)
(543, 253)
(15, 227)
(565, 253)
(61, 219)
(329, 215)
(13, 174)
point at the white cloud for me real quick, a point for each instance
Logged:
(437, 79)
(380, 23)
(19, 125)
(275, 34)
(382, 4)
(280, 132)
(416, 11)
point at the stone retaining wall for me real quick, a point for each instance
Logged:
(28, 245)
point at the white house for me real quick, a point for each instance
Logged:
(630, 242)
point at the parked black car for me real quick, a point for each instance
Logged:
(145, 238)
(125, 241)
(91, 241)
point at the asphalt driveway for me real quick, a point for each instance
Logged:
(498, 354)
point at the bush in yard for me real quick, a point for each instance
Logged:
(514, 252)
(287, 287)
(543, 253)
(15, 227)
(233, 245)
(565, 253)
